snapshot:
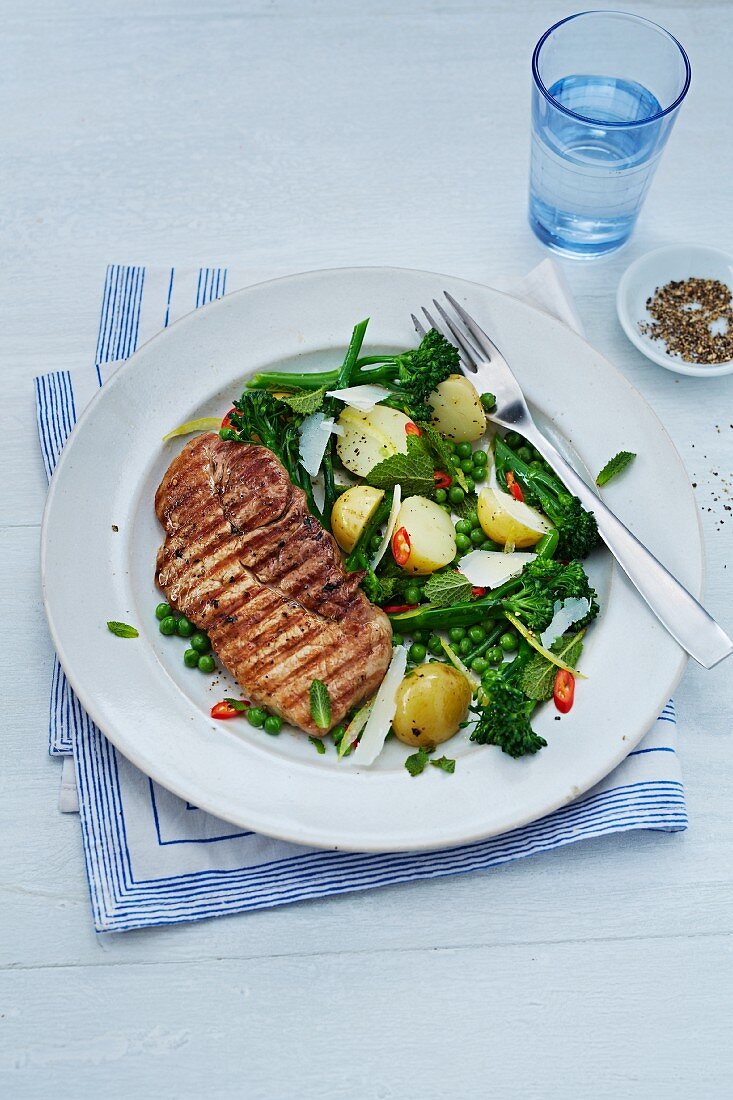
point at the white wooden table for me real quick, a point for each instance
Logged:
(325, 133)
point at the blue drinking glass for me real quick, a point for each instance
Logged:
(607, 87)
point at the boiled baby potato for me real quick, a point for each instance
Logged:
(361, 445)
(391, 423)
(351, 513)
(457, 410)
(431, 534)
(505, 519)
(432, 701)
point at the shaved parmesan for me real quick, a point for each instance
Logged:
(362, 398)
(490, 568)
(383, 711)
(315, 432)
(396, 502)
(567, 612)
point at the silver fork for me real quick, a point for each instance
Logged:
(482, 362)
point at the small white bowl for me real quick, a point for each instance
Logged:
(655, 269)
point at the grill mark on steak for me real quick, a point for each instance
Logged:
(244, 560)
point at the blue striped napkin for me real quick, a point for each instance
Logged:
(152, 858)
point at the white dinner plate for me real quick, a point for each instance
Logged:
(100, 536)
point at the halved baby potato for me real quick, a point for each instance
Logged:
(432, 701)
(457, 410)
(431, 534)
(505, 519)
(368, 438)
(351, 513)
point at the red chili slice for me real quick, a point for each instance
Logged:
(412, 429)
(401, 546)
(477, 591)
(564, 690)
(442, 481)
(513, 487)
(398, 608)
(224, 709)
(226, 422)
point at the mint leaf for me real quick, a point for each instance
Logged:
(538, 675)
(615, 466)
(305, 402)
(413, 471)
(320, 704)
(441, 455)
(237, 704)
(445, 763)
(318, 745)
(415, 764)
(122, 630)
(468, 504)
(446, 589)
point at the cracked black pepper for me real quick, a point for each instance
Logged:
(694, 318)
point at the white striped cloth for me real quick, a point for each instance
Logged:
(152, 858)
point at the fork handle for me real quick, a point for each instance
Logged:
(685, 619)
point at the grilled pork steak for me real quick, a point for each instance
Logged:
(245, 561)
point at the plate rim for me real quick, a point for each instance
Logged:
(187, 789)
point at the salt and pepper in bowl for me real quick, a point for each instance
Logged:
(675, 304)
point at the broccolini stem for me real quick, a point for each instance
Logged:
(462, 614)
(343, 378)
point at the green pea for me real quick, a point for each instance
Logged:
(525, 454)
(513, 439)
(463, 543)
(477, 634)
(200, 643)
(256, 717)
(479, 474)
(419, 635)
(191, 658)
(397, 639)
(375, 543)
(472, 518)
(508, 642)
(417, 653)
(488, 401)
(465, 646)
(337, 733)
(206, 663)
(456, 494)
(495, 655)
(491, 545)
(479, 665)
(463, 527)
(464, 450)
(478, 538)
(273, 724)
(167, 626)
(435, 646)
(440, 496)
(480, 458)
(457, 633)
(184, 627)
(467, 465)
(163, 611)
(412, 594)
(450, 445)
(470, 485)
